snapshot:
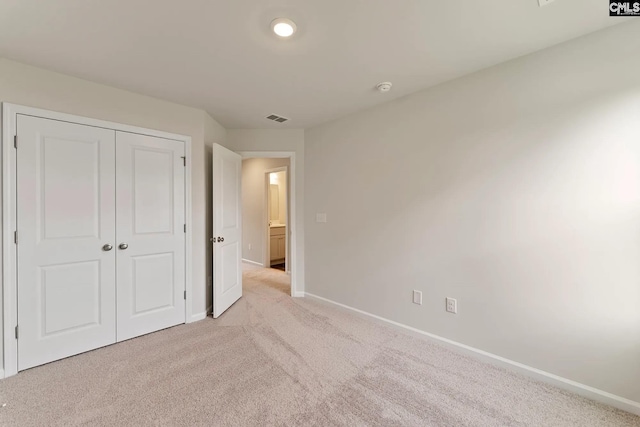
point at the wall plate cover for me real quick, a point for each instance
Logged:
(417, 297)
(452, 305)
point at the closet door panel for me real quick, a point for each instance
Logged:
(150, 234)
(65, 217)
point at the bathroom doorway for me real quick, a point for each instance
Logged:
(276, 225)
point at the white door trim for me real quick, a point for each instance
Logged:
(267, 214)
(292, 220)
(10, 114)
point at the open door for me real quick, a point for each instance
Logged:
(227, 229)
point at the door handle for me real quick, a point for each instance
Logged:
(107, 247)
(220, 239)
(123, 246)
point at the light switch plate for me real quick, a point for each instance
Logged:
(321, 217)
(417, 297)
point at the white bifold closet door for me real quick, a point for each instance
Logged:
(82, 191)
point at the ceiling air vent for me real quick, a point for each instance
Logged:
(278, 119)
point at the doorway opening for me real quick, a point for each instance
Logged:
(268, 219)
(277, 209)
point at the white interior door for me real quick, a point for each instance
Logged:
(150, 243)
(227, 229)
(65, 216)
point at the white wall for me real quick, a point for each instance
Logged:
(515, 190)
(254, 205)
(35, 87)
(243, 140)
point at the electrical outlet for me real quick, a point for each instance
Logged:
(545, 2)
(452, 305)
(249, 246)
(417, 297)
(321, 217)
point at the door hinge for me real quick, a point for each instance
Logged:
(184, 161)
(185, 228)
(185, 294)
(16, 331)
(15, 141)
(15, 237)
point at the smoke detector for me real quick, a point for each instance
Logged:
(384, 87)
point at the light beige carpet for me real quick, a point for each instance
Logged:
(274, 360)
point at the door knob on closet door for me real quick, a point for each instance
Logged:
(220, 239)
(123, 246)
(107, 247)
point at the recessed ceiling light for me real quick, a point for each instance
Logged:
(283, 27)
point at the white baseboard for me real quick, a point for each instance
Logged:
(200, 316)
(248, 261)
(540, 375)
(298, 294)
(1, 373)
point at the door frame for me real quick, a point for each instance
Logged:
(267, 261)
(10, 114)
(292, 220)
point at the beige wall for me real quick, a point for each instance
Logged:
(515, 190)
(35, 87)
(274, 140)
(253, 207)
